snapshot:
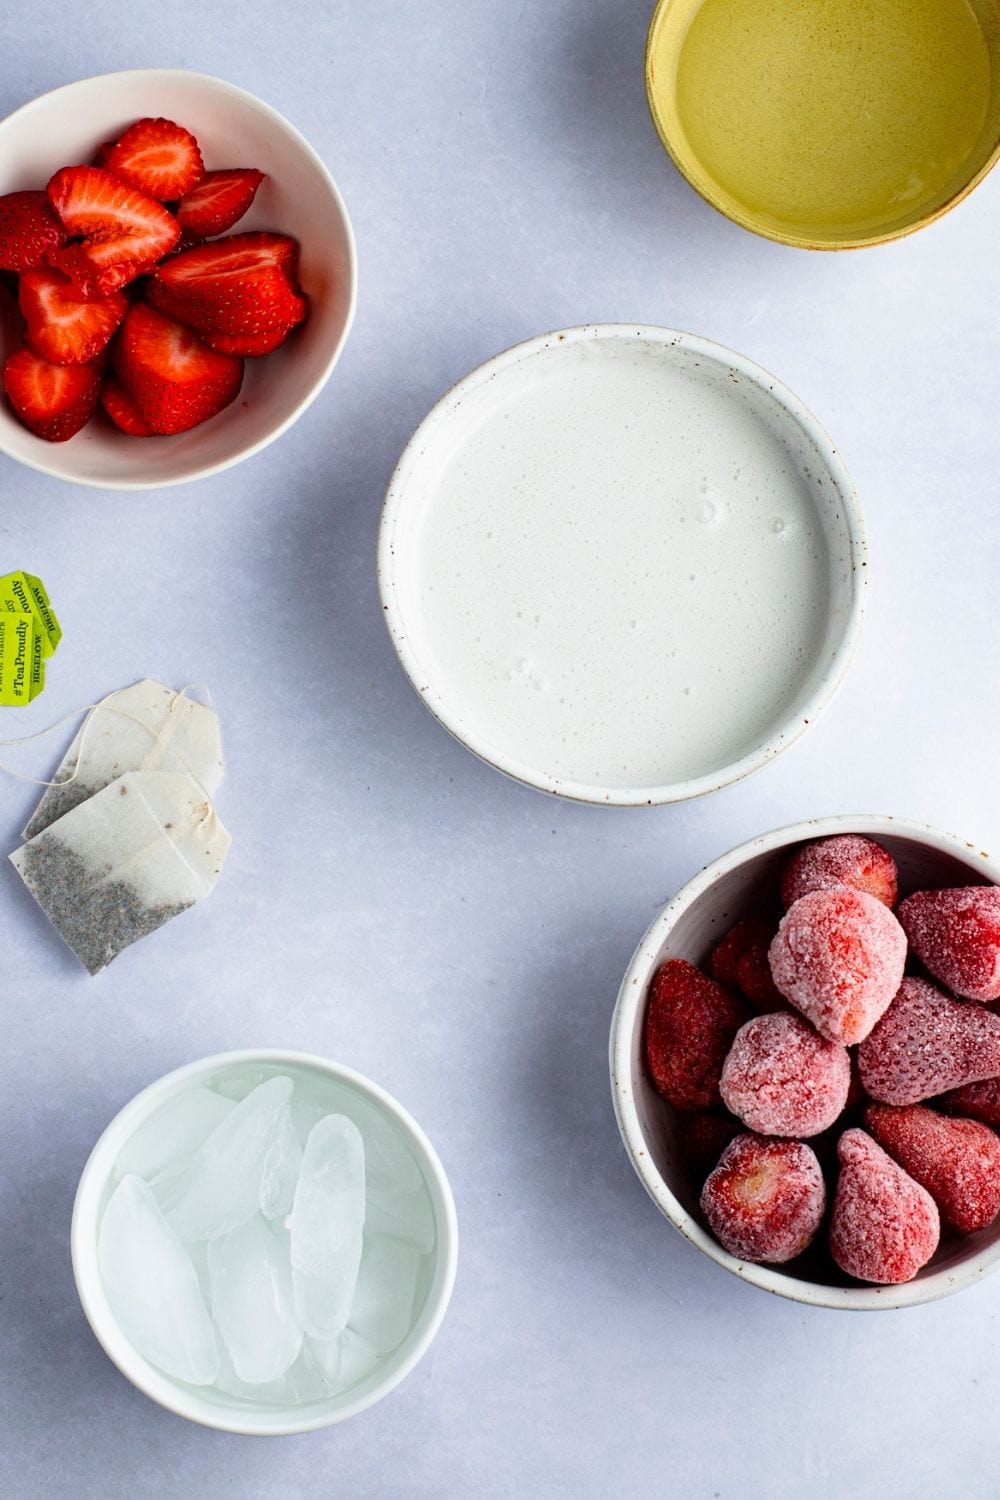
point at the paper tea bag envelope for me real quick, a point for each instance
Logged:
(147, 727)
(124, 862)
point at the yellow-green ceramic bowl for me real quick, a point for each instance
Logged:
(828, 124)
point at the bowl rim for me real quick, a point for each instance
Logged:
(706, 189)
(787, 729)
(163, 1389)
(298, 139)
(627, 1014)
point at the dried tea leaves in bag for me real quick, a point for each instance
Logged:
(121, 864)
(146, 727)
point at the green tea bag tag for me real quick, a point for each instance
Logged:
(17, 658)
(37, 683)
(25, 593)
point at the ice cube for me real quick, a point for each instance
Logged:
(327, 1222)
(299, 1385)
(251, 1281)
(221, 1188)
(404, 1216)
(152, 1287)
(342, 1361)
(172, 1134)
(281, 1169)
(382, 1310)
(388, 1159)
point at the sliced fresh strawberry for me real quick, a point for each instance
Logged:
(256, 301)
(215, 203)
(54, 401)
(62, 328)
(232, 256)
(125, 232)
(176, 380)
(29, 229)
(157, 157)
(122, 409)
(250, 345)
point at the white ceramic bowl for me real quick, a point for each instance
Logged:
(213, 1408)
(622, 565)
(689, 927)
(299, 197)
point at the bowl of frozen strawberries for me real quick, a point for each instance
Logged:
(805, 1061)
(177, 278)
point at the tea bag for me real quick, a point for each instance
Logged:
(121, 864)
(146, 727)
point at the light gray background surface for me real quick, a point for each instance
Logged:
(393, 903)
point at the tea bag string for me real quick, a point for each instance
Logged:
(106, 706)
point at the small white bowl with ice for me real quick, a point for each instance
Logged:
(264, 1242)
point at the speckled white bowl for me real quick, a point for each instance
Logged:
(554, 501)
(689, 927)
(299, 197)
(214, 1408)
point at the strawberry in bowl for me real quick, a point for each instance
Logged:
(209, 302)
(102, 230)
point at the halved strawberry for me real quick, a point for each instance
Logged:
(62, 328)
(121, 407)
(156, 156)
(232, 256)
(259, 300)
(175, 379)
(54, 401)
(29, 229)
(250, 345)
(216, 202)
(125, 232)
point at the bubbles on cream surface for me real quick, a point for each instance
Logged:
(619, 575)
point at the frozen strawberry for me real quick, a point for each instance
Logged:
(215, 203)
(856, 1095)
(175, 379)
(846, 859)
(884, 1226)
(54, 401)
(29, 229)
(957, 1161)
(61, 327)
(157, 157)
(125, 232)
(755, 980)
(690, 1025)
(729, 950)
(980, 1101)
(765, 1199)
(838, 957)
(122, 409)
(782, 1078)
(956, 936)
(741, 959)
(928, 1043)
(703, 1138)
